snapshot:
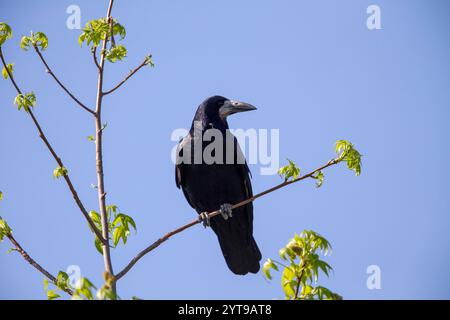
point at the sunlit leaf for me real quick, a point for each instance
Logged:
(5, 32)
(10, 68)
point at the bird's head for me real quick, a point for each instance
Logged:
(216, 109)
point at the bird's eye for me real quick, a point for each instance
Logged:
(220, 103)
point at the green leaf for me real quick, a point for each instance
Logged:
(119, 29)
(105, 293)
(62, 280)
(116, 236)
(302, 254)
(26, 43)
(60, 172)
(319, 177)
(124, 220)
(52, 295)
(1, 196)
(45, 284)
(269, 264)
(25, 101)
(37, 40)
(289, 171)
(98, 245)
(112, 207)
(91, 138)
(40, 40)
(5, 33)
(83, 289)
(5, 230)
(94, 32)
(10, 68)
(116, 53)
(288, 282)
(95, 218)
(98, 30)
(149, 61)
(347, 153)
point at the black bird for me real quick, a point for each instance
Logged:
(211, 186)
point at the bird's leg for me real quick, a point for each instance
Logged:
(226, 210)
(204, 218)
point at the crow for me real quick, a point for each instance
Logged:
(219, 182)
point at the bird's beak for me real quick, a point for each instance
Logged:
(233, 106)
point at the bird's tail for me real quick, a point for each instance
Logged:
(238, 246)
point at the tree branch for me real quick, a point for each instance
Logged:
(144, 63)
(299, 279)
(48, 70)
(167, 236)
(94, 55)
(99, 159)
(55, 156)
(33, 262)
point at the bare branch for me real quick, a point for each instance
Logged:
(49, 71)
(55, 156)
(144, 63)
(167, 236)
(94, 54)
(99, 159)
(33, 262)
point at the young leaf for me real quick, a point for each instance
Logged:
(346, 152)
(289, 171)
(10, 68)
(40, 40)
(149, 61)
(98, 245)
(5, 32)
(25, 101)
(5, 230)
(319, 177)
(52, 295)
(60, 172)
(83, 289)
(118, 52)
(62, 280)
(25, 43)
(302, 254)
(98, 30)
(269, 264)
(45, 284)
(105, 294)
(288, 282)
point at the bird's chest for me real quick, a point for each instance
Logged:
(209, 186)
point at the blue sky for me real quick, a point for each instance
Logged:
(314, 71)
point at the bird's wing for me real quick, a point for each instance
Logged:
(244, 170)
(179, 166)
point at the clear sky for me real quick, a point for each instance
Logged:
(314, 71)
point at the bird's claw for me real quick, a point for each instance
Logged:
(226, 210)
(204, 218)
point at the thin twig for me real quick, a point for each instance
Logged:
(167, 236)
(99, 159)
(50, 71)
(299, 279)
(144, 63)
(94, 54)
(33, 262)
(55, 156)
